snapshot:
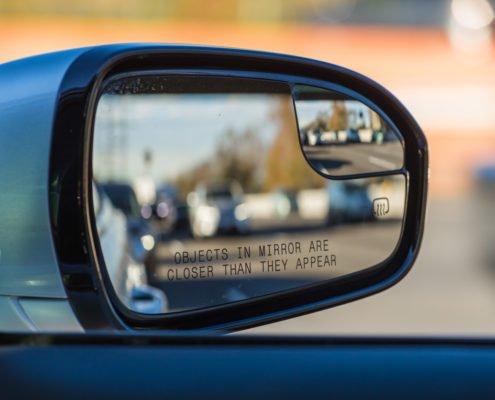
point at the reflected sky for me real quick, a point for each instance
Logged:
(179, 130)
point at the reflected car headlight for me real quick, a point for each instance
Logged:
(162, 210)
(241, 212)
(148, 242)
(146, 212)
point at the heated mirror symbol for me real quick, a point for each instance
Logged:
(381, 207)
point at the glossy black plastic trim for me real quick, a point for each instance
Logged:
(91, 296)
(182, 339)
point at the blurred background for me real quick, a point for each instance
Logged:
(436, 56)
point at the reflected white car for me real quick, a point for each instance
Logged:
(217, 208)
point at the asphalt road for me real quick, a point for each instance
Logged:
(355, 158)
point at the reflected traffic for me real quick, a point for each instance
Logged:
(342, 136)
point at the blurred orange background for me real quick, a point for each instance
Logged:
(451, 94)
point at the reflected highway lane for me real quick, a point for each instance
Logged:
(355, 158)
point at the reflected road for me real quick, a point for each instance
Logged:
(355, 158)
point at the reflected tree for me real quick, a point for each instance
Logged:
(240, 157)
(286, 167)
(339, 117)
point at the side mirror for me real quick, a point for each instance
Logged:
(283, 185)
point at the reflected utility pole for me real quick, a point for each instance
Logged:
(117, 141)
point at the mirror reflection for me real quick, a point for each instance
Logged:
(342, 136)
(203, 196)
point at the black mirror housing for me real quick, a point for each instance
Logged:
(71, 204)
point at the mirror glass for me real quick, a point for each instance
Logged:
(343, 136)
(203, 195)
